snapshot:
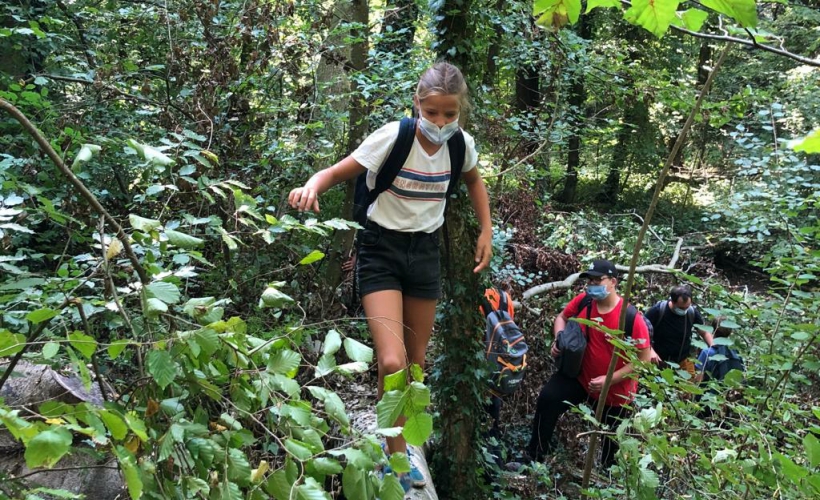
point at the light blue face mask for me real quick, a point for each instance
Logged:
(438, 135)
(680, 312)
(597, 292)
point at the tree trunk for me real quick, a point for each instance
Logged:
(457, 455)
(494, 50)
(343, 240)
(457, 458)
(577, 99)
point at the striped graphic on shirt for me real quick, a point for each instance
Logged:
(420, 186)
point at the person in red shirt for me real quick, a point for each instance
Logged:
(561, 391)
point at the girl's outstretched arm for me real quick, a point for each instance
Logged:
(307, 197)
(481, 206)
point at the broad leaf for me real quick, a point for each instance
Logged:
(161, 367)
(11, 344)
(391, 488)
(809, 144)
(556, 13)
(653, 15)
(116, 348)
(693, 19)
(48, 447)
(353, 483)
(357, 351)
(50, 349)
(333, 404)
(298, 450)
(272, 297)
(41, 315)
(284, 361)
(116, 426)
(239, 470)
(183, 240)
(390, 408)
(395, 381)
(333, 341)
(143, 224)
(131, 471)
(150, 154)
(742, 11)
(326, 466)
(312, 257)
(164, 291)
(812, 445)
(85, 154)
(83, 343)
(418, 428)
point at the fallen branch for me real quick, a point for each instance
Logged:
(572, 278)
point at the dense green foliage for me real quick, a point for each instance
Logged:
(224, 334)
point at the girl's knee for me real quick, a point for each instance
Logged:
(391, 364)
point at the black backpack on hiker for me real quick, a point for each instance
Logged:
(364, 197)
(505, 346)
(573, 341)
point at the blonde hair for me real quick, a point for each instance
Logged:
(443, 78)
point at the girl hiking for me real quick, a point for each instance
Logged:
(397, 268)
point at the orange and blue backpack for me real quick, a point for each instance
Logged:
(505, 346)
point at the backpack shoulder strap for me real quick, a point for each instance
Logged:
(662, 306)
(458, 151)
(486, 307)
(395, 160)
(631, 316)
(502, 299)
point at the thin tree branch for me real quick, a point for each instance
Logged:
(77, 183)
(599, 411)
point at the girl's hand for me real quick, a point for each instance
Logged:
(304, 198)
(597, 384)
(483, 250)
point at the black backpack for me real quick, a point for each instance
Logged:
(717, 370)
(505, 347)
(364, 197)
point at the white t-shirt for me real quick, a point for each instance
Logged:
(415, 200)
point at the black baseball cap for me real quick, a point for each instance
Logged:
(600, 267)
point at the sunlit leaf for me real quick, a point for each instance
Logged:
(556, 13)
(86, 344)
(809, 144)
(742, 11)
(183, 240)
(653, 15)
(85, 154)
(418, 429)
(161, 367)
(312, 257)
(333, 341)
(357, 351)
(48, 447)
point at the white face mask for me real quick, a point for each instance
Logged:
(436, 135)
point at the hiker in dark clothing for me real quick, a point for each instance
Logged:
(672, 321)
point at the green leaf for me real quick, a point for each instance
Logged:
(50, 349)
(41, 315)
(390, 408)
(115, 424)
(742, 11)
(272, 297)
(11, 344)
(48, 447)
(239, 470)
(311, 490)
(812, 445)
(326, 466)
(298, 449)
(592, 4)
(357, 351)
(161, 367)
(395, 381)
(809, 144)
(333, 341)
(83, 343)
(418, 428)
(653, 15)
(284, 361)
(326, 365)
(416, 372)
(312, 257)
(131, 471)
(85, 154)
(154, 307)
(556, 13)
(143, 224)
(400, 462)
(391, 488)
(183, 240)
(352, 368)
(164, 291)
(693, 19)
(116, 348)
(279, 486)
(333, 404)
(418, 397)
(354, 483)
(208, 340)
(150, 154)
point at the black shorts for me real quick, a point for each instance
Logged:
(396, 260)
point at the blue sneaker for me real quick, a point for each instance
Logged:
(404, 479)
(416, 477)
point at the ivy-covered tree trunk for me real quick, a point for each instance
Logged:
(399, 26)
(455, 38)
(343, 240)
(457, 384)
